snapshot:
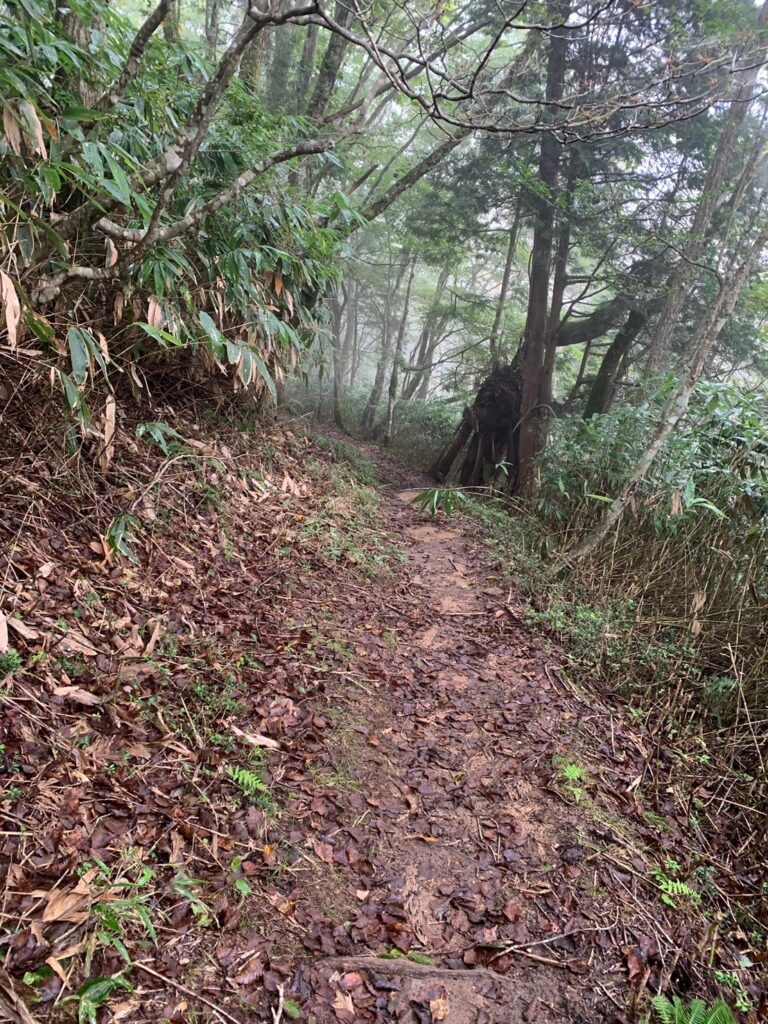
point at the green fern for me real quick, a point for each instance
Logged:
(674, 1011)
(671, 890)
(249, 783)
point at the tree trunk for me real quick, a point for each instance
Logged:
(500, 305)
(425, 345)
(172, 23)
(443, 464)
(211, 28)
(537, 321)
(331, 64)
(393, 380)
(601, 395)
(492, 428)
(372, 405)
(568, 404)
(305, 68)
(337, 309)
(341, 350)
(280, 66)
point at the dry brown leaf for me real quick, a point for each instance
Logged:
(56, 967)
(256, 739)
(103, 346)
(139, 750)
(112, 253)
(11, 129)
(35, 141)
(10, 1004)
(118, 308)
(23, 629)
(12, 308)
(177, 845)
(78, 695)
(324, 852)
(67, 905)
(439, 1008)
(343, 1006)
(75, 643)
(128, 1007)
(110, 411)
(154, 312)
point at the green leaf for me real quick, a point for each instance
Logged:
(163, 338)
(119, 537)
(420, 958)
(263, 372)
(78, 355)
(121, 190)
(74, 399)
(291, 1009)
(242, 887)
(160, 434)
(214, 335)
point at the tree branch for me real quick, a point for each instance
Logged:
(115, 91)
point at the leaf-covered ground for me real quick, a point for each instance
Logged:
(303, 759)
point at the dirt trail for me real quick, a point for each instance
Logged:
(462, 835)
(316, 744)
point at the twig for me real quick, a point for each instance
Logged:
(187, 991)
(524, 946)
(277, 1013)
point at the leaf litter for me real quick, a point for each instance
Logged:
(303, 760)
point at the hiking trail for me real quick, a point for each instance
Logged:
(312, 741)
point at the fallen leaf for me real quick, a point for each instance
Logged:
(76, 643)
(10, 1003)
(256, 739)
(324, 851)
(154, 312)
(439, 1008)
(110, 410)
(35, 137)
(78, 695)
(513, 911)
(22, 629)
(111, 253)
(343, 1006)
(66, 906)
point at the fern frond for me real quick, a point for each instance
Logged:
(249, 783)
(697, 1012)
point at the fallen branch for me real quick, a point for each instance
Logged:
(402, 966)
(187, 991)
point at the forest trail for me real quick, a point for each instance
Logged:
(304, 759)
(487, 821)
